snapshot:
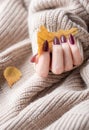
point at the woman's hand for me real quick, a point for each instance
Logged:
(65, 55)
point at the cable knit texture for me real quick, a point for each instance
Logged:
(58, 102)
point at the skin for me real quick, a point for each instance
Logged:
(57, 60)
(64, 56)
(42, 67)
(77, 59)
(68, 61)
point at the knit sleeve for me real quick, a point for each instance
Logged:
(55, 15)
(79, 7)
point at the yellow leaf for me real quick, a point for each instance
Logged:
(12, 74)
(43, 34)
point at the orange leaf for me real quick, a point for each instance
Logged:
(12, 74)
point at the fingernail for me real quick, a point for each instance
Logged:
(56, 41)
(71, 39)
(45, 46)
(33, 58)
(63, 39)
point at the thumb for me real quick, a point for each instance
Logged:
(34, 59)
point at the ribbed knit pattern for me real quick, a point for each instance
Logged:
(58, 102)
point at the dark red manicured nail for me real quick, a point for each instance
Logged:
(63, 39)
(71, 39)
(56, 41)
(45, 46)
(33, 58)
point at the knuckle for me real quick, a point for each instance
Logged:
(79, 62)
(67, 68)
(58, 70)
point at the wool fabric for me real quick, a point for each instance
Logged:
(58, 102)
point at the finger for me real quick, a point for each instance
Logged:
(57, 57)
(77, 58)
(34, 59)
(68, 62)
(42, 67)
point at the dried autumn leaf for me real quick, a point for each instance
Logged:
(12, 74)
(43, 34)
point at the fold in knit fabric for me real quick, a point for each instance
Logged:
(58, 102)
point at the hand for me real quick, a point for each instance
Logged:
(65, 55)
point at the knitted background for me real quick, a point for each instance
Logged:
(58, 102)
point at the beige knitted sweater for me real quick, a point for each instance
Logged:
(59, 102)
